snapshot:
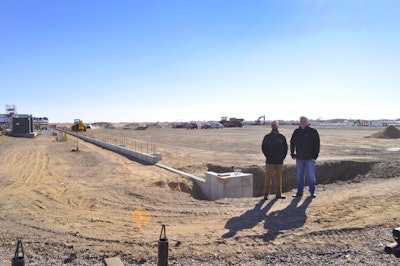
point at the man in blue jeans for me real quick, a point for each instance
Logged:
(304, 148)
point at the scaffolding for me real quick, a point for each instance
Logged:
(11, 110)
(6, 119)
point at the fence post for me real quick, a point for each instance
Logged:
(163, 248)
(19, 259)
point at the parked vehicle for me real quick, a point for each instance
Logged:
(192, 126)
(205, 125)
(179, 125)
(217, 125)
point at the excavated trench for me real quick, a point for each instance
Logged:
(327, 173)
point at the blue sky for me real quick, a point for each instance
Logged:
(182, 60)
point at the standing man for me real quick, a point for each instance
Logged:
(304, 148)
(274, 147)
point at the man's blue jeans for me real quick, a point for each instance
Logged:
(305, 167)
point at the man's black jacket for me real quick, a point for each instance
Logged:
(274, 147)
(304, 144)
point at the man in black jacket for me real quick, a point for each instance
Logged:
(304, 148)
(274, 147)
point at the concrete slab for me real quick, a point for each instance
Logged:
(115, 261)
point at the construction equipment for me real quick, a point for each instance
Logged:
(258, 122)
(78, 125)
(232, 122)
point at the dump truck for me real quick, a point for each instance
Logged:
(232, 122)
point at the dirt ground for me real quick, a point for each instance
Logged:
(77, 208)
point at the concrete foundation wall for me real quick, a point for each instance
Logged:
(227, 185)
(134, 155)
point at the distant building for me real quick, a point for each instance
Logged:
(41, 123)
(4, 119)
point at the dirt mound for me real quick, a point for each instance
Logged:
(135, 126)
(103, 124)
(131, 125)
(389, 132)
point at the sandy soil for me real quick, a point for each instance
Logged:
(79, 207)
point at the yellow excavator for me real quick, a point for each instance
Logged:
(78, 125)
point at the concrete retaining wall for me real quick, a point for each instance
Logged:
(131, 154)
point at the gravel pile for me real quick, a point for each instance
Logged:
(370, 252)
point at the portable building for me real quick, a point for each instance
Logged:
(22, 126)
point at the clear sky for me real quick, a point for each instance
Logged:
(182, 60)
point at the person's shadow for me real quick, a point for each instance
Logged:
(247, 220)
(291, 217)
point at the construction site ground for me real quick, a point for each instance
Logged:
(79, 207)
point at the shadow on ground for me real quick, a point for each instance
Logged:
(292, 217)
(249, 219)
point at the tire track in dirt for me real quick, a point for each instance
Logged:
(25, 166)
